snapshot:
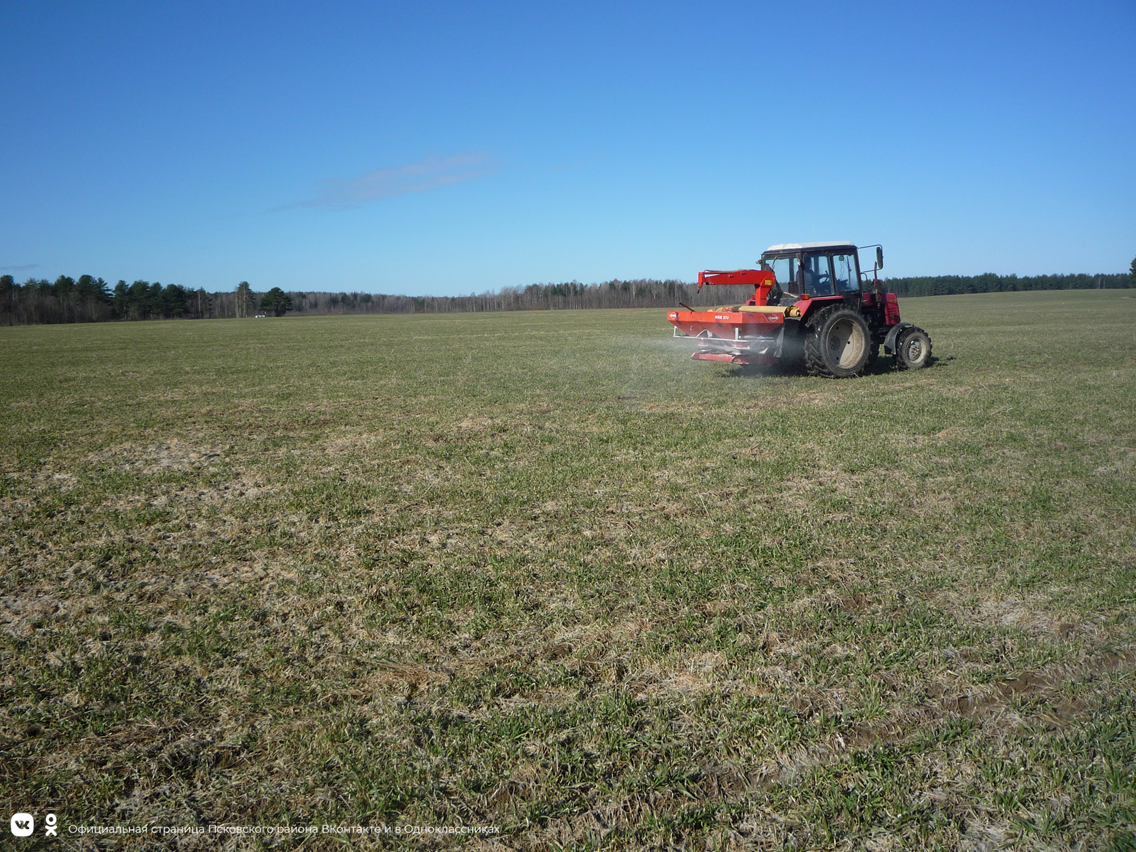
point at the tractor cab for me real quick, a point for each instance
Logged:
(812, 270)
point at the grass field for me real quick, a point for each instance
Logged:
(542, 579)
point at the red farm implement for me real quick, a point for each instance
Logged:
(810, 307)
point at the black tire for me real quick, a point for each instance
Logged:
(837, 344)
(912, 349)
(873, 356)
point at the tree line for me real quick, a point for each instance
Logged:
(950, 285)
(89, 299)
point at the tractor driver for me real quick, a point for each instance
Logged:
(815, 279)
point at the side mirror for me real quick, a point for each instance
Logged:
(879, 257)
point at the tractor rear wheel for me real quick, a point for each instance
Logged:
(913, 349)
(838, 344)
(873, 355)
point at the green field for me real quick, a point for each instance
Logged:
(541, 575)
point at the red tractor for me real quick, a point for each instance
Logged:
(811, 305)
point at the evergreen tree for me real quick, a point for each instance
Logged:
(276, 301)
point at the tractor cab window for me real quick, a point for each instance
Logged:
(785, 268)
(844, 269)
(816, 275)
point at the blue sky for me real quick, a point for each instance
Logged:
(456, 147)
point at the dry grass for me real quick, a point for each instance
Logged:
(543, 573)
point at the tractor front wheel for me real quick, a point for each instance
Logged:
(838, 344)
(913, 349)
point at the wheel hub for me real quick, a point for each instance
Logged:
(845, 344)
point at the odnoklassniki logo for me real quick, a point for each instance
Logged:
(23, 824)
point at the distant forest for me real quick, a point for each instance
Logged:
(89, 299)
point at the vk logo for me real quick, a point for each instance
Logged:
(23, 825)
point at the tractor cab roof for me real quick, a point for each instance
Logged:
(792, 249)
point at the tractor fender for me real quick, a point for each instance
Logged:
(893, 333)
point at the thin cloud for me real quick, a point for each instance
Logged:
(424, 176)
(22, 268)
